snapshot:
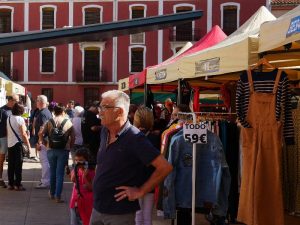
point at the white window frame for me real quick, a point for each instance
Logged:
(92, 6)
(130, 16)
(144, 56)
(54, 60)
(41, 14)
(238, 5)
(11, 15)
(84, 45)
(185, 5)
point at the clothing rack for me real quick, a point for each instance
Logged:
(183, 116)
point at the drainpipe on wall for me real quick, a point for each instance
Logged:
(269, 5)
(115, 46)
(26, 28)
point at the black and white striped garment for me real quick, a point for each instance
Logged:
(264, 82)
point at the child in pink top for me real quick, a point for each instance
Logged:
(82, 200)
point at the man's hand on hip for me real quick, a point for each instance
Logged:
(132, 193)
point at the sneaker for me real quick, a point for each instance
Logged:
(20, 188)
(58, 200)
(41, 186)
(2, 184)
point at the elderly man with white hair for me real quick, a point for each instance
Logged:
(41, 118)
(124, 151)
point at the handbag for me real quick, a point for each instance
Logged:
(25, 150)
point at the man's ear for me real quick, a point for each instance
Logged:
(121, 112)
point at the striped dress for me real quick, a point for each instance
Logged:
(264, 82)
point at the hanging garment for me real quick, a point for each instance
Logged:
(291, 165)
(212, 176)
(261, 201)
(264, 82)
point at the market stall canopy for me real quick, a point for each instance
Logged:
(138, 79)
(235, 53)
(3, 82)
(36, 39)
(124, 84)
(168, 71)
(286, 29)
(14, 88)
(284, 50)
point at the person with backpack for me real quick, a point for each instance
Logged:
(59, 130)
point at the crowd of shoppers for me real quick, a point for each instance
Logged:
(99, 137)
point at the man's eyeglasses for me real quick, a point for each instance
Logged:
(105, 107)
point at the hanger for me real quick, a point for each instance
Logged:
(262, 62)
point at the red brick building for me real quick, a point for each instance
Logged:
(82, 71)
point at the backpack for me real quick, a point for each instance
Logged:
(57, 138)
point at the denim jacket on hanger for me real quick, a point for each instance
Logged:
(212, 180)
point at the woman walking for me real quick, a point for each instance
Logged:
(58, 130)
(16, 134)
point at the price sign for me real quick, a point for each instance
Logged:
(195, 133)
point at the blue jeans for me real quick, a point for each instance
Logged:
(58, 159)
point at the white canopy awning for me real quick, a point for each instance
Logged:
(235, 53)
(284, 30)
(152, 70)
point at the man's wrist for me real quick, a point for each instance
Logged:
(141, 192)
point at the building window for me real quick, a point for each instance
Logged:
(49, 93)
(137, 12)
(185, 31)
(137, 60)
(92, 66)
(48, 60)
(92, 16)
(91, 95)
(5, 64)
(5, 20)
(48, 18)
(230, 17)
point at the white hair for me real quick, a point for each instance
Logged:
(42, 98)
(120, 98)
(78, 111)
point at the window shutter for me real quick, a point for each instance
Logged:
(48, 18)
(137, 59)
(229, 19)
(47, 60)
(92, 64)
(5, 21)
(92, 16)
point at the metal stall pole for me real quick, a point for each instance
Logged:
(145, 93)
(179, 96)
